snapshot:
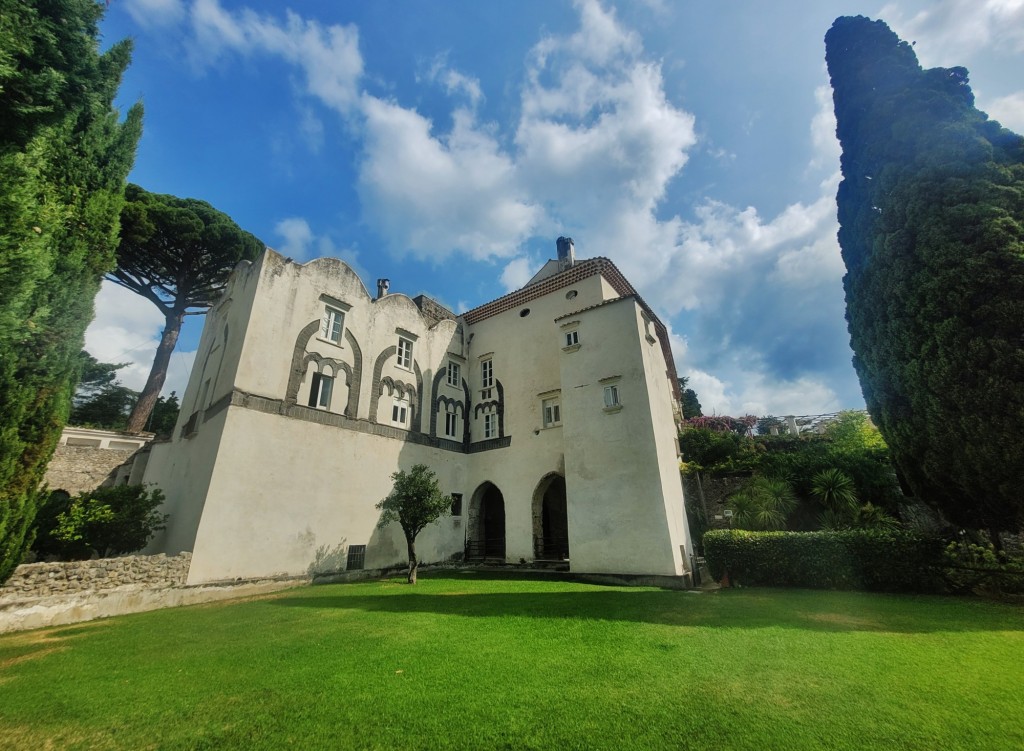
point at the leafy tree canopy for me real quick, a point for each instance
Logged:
(415, 501)
(931, 212)
(177, 253)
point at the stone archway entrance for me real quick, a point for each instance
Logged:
(486, 539)
(550, 520)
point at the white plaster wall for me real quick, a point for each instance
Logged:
(619, 516)
(526, 354)
(289, 487)
(182, 469)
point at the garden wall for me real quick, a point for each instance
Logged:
(716, 489)
(55, 594)
(71, 577)
(79, 469)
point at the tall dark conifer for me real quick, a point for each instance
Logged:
(931, 213)
(64, 158)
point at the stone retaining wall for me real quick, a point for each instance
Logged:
(79, 469)
(44, 579)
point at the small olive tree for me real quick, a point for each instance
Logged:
(415, 501)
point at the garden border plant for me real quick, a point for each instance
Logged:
(895, 561)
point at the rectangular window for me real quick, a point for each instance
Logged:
(611, 396)
(400, 412)
(572, 338)
(491, 425)
(404, 353)
(552, 412)
(320, 391)
(454, 374)
(456, 504)
(333, 324)
(486, 374)
(451, 425)
(356, 557)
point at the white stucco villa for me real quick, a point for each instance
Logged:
(549, 414)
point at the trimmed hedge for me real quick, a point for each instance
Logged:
(848, 559)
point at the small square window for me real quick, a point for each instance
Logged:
(491, 425)
(572, 338)
(400, 412)
(486, 374)
(454, 374)
(552, 412)
(451, 423)
(320, 391)
(456, 504)
(333, 324)
(404, 353)
(356, 557)
(611, 397)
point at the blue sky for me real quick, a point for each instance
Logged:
(446, 145)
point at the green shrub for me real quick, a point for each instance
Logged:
(105, 522)
(848, 559)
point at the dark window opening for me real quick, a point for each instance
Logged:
(356, 557)
(456, 504)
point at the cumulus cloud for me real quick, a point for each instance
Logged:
(328, 55)
(434, 195)
(127, 328)
(1009, 111)
(297, 237)
(593, 153)
(517, 273)
(949, 31)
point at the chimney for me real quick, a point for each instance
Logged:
(382, 287)
(566, 253)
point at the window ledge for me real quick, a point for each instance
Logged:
(333, 343)
(552, 426)
(610, 410)
(650, 339)
(571, 348)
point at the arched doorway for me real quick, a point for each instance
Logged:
(486, 524)
(550, 520)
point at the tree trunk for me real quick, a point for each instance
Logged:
(413, 563)
(157, 374)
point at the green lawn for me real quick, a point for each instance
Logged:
(485, 662)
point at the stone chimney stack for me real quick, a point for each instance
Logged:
(382, 287)
(566, 253)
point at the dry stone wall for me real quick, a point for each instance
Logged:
(79, 469)
(44, 579)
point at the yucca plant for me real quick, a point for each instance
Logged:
(835, 490)
(764, 503)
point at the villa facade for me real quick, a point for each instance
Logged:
(549, 414)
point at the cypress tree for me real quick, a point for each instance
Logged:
(931, 214)
(64, 158)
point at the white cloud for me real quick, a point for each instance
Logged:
(1009, 111)
(950, 31)
(823, 131)
(454, 81)
(517, 273)
(127, 328)
(297, 235)
(328, 55)
(155, 13)
(593, 153)
(433, 196)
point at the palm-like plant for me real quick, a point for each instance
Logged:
(835, 490)
(764, 503)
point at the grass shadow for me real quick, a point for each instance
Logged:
(813, 610)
